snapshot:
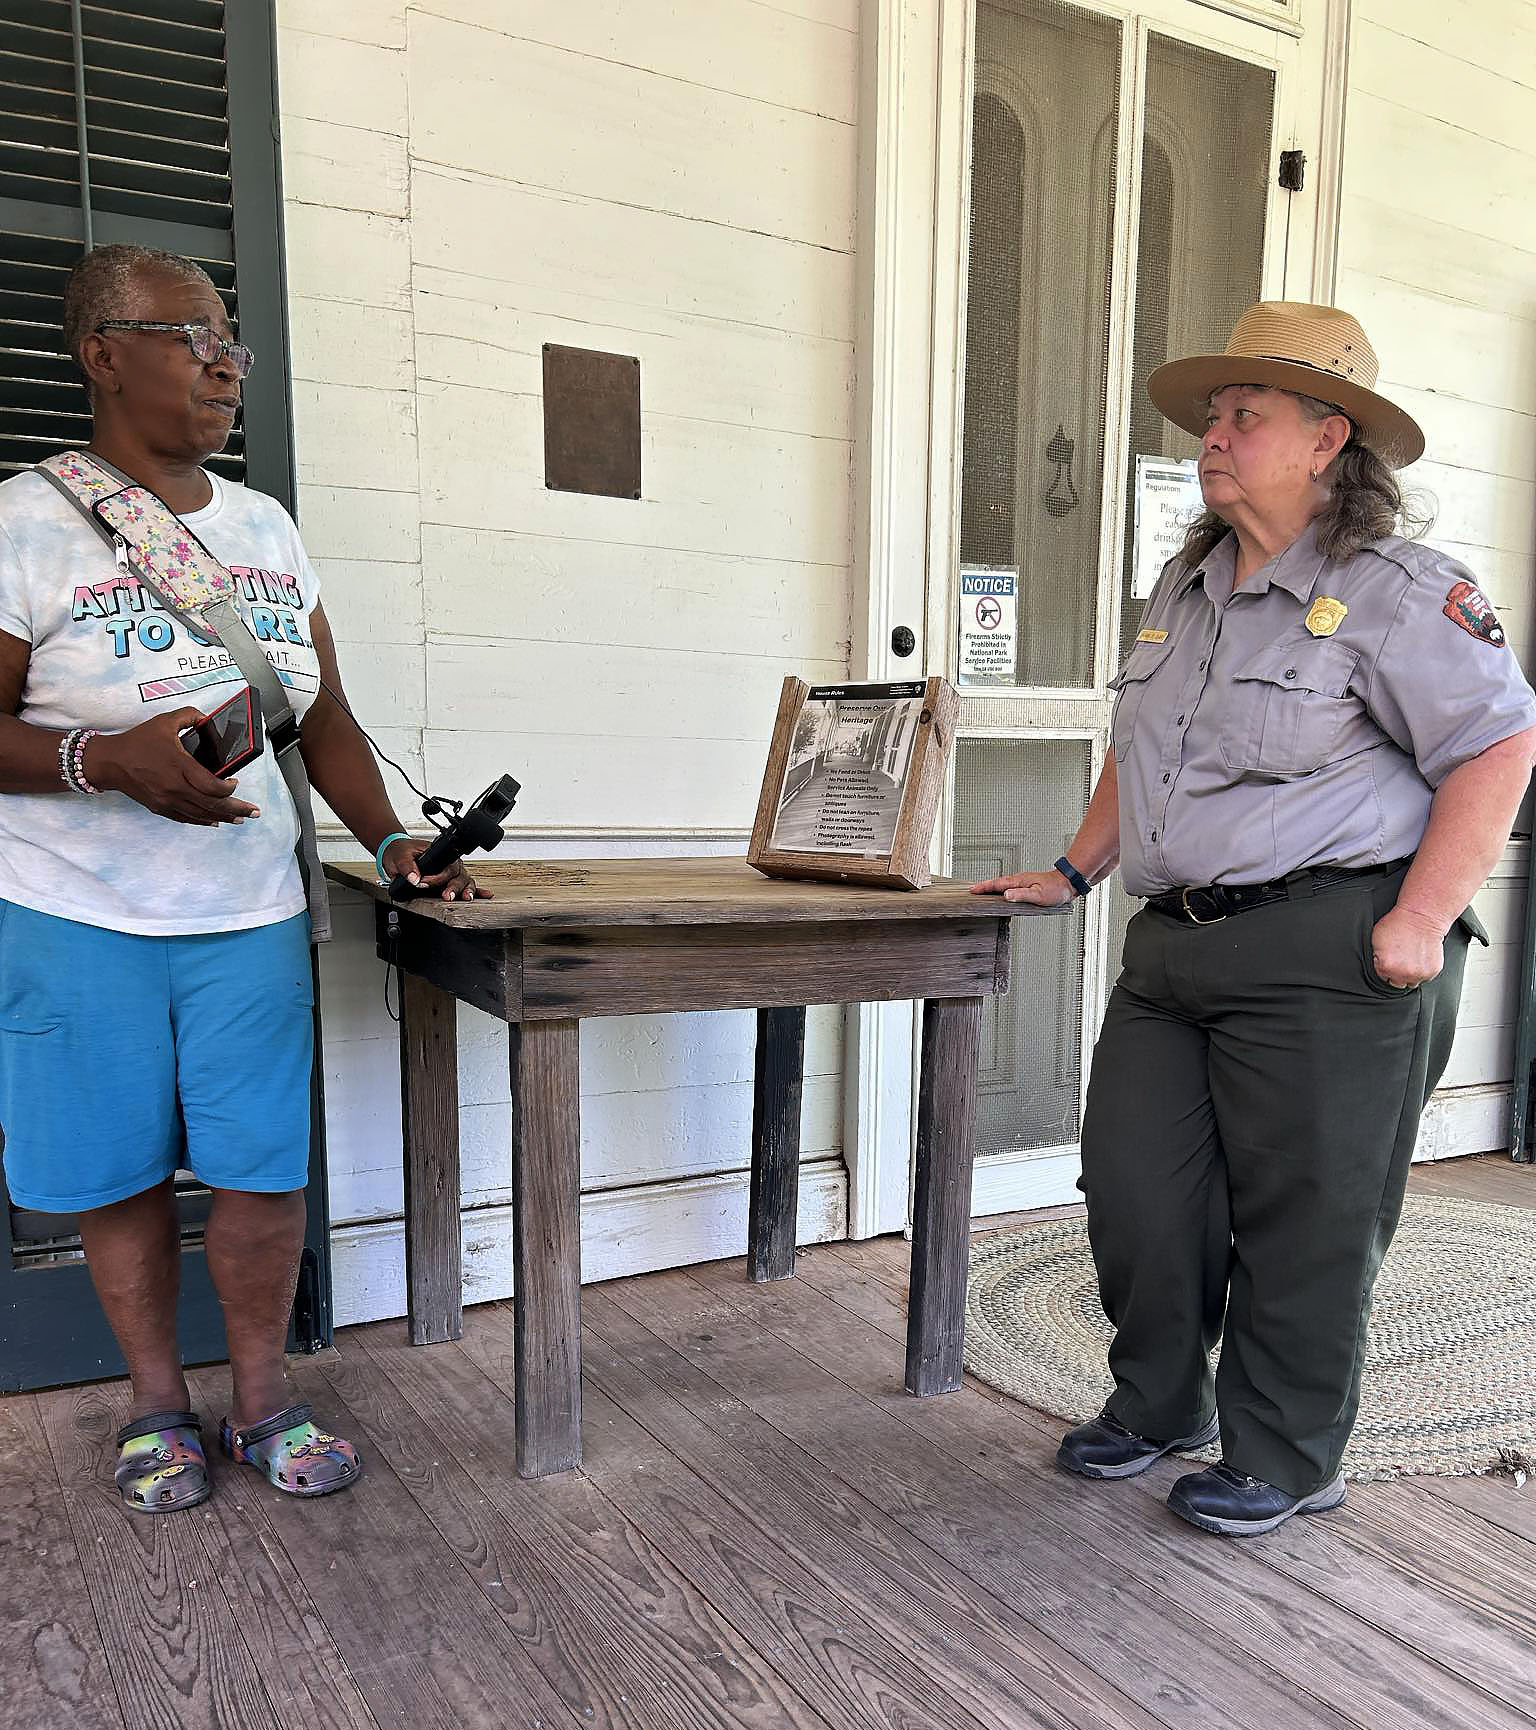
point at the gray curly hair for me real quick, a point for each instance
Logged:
(109, 282)
(1364, 504)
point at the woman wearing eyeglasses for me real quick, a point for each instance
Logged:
(155, 983)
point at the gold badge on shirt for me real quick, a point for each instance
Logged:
(1151, 636)
(1325, 616)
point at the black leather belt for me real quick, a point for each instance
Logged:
(1214, 902)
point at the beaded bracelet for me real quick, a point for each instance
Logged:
(72, 759)
(66, 754)
(77, 761)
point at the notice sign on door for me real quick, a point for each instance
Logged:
(989, 627)
(1167, 501)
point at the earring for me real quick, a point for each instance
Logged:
(1312, 476)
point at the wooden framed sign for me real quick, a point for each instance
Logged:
(853, 780)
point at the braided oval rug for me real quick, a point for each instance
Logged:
(1450, 1369)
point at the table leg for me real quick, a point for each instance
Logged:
(429, 1109)
(546, 1244)
(941, 1225)
(778, 1079)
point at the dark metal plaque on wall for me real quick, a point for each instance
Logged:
(591, 422)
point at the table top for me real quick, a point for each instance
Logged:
(703, 891)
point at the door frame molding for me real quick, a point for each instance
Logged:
(901, 356)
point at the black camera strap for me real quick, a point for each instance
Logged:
(138, 537)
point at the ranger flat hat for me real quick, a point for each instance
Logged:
(1292, 345)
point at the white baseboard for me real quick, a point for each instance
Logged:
(1010, 1182)
(623, 1231)
(1465, 1120)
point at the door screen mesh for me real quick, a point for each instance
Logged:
(1037, 319)
(1204, 182)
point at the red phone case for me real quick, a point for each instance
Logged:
(207, 741)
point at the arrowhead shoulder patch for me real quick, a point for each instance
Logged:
(1466, 605)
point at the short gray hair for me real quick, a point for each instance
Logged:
(109, 283)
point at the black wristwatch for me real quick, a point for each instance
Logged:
(1080, 884)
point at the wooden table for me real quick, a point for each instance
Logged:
(566, 940)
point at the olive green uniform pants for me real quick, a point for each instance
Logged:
(1252, 1111)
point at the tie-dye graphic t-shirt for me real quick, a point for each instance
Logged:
(105, 655)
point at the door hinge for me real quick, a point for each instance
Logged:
(1293, 170)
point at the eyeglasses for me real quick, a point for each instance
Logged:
(204, 341)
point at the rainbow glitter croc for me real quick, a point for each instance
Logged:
(292, 1454)
(160, 1463)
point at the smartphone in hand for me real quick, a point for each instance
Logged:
(228, 737)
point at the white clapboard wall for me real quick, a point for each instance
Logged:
(1438, 257)
(464, 182)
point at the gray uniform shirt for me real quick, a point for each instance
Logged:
(1252, 740)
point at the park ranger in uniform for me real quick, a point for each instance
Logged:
(1321, 738)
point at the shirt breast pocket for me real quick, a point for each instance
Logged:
(1130, 686)
(1286, 708)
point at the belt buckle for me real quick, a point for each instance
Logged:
(1190, 914)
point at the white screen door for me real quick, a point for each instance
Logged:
(1122, 209)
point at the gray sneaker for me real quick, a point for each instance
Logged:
(1221, 1500)
(1105, 1448)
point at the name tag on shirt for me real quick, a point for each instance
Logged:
(1151, 636)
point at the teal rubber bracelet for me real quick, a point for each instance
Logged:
(388, 841)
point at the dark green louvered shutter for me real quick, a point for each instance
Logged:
(178, 118)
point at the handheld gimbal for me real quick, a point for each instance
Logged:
(479, 826)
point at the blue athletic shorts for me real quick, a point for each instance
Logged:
(123, 1058)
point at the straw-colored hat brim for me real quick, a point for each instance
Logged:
(1182, 389)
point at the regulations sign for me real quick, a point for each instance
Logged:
(989, 627)
(1167, 502)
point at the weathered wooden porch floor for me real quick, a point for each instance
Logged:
(766, 1532)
